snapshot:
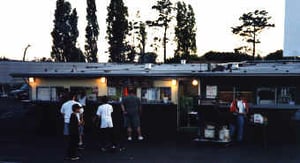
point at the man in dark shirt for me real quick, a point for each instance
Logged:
(131, 107)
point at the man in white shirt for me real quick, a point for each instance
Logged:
(66, 111)
(104, 112)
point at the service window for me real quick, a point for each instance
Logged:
(49, 93)
(266, 96)
(286, 95)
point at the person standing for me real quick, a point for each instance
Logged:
(131, 107)
(239, 107)
(104, 112)
(83, 118)
(73, 133)
(66, 111)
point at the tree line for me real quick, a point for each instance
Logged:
(127, 39)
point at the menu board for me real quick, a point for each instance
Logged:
(211, 91)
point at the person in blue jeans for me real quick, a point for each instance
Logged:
(239, 107)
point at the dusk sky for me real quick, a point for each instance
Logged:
(31, 22)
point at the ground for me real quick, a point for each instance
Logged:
(20, 142)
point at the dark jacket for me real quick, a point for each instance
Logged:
(74, 124)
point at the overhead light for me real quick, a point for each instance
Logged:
(102, 79)
(195, 82)
(174, 82)
(31, 79)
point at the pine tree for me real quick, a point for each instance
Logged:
(117, 28)
(252, 23)
(164, 8)
(65, 34)
(185, 31)
(92, 32)
(59, 32)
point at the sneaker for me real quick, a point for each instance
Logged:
(140, 138)
(74, 158)
(81, 147)
(122, 149)
(103, 149)
(129, 138)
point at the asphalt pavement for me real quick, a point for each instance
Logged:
(20, 143)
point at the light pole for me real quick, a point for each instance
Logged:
(25, 51)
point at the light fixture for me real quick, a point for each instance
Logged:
(102, 79)
(174, 82)
(195, 82)
(31, 79)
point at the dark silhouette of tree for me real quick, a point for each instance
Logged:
(164, 8)
(117, 28)
(4, 58)
(65, 34)
(252, 24)
(277, 55)
(225, 56)
(149, 57)
(137, 36)
(92, 32)
(59, 32)
(185, 31)
(72, 53)
(142, 37)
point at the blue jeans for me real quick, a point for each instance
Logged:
(240, 121)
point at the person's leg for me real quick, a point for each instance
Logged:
(240, 127)
(127, 125)
(129, 133)
(137, 126)
(80, 143)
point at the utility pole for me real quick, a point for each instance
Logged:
(25, 51)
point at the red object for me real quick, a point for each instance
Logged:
(233, 106)
(125, 91)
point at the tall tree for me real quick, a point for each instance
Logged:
(185, 31)
(252, 24)
(59, 32)
(117, 28)
(92, 32)
(164, 8)
(65, 34)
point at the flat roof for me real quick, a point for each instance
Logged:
(161, 70)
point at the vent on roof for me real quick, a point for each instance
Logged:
(183, 61)
(148, 66)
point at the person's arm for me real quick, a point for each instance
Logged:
(123, 108)
(62, 110)
(139, 106)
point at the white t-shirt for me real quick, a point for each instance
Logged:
(66, 109)
(241, 106)
(105, 111)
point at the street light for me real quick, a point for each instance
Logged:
(25, 51)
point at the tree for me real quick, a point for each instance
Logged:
(137, 36)
(275, 55)
(225, 56)
(72, 53)
(65, 34)
(164, 8)
(253, 23)
(117, 28)
(59, 32)
(185, 31)
(92, 32)
(149, 57)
